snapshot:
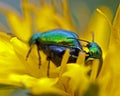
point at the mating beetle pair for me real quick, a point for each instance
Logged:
(54, 43)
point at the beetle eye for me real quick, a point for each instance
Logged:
(89, 45)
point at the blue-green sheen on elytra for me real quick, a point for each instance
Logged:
(57, 37)
(54, 43)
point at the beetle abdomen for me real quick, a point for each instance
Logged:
(55, 53)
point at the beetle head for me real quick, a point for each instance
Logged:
(34, 38)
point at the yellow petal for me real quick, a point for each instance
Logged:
(20, 25)
(81, 58)
(114, 53)
(111, 68)
(46, 86)
(94, 70)
(100, 24)
(20, 80)
(25, 80)
(74, 79)
(64, 62)
(36, 86)
(48, 19)
(31, 64)
(8, 60)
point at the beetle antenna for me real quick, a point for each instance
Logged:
(28, 53)
(79, 39)
(84, 40)
(92, 36)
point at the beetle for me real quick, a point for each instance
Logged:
(54, 43)
(94, 51)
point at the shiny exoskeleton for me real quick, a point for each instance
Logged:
(54, 43)
(94, 52)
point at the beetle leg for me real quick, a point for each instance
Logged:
(48, 69)
(28, 52)
(39, 57)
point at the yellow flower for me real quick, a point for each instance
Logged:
(68, 79)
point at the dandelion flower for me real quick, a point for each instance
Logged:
(21, 77)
